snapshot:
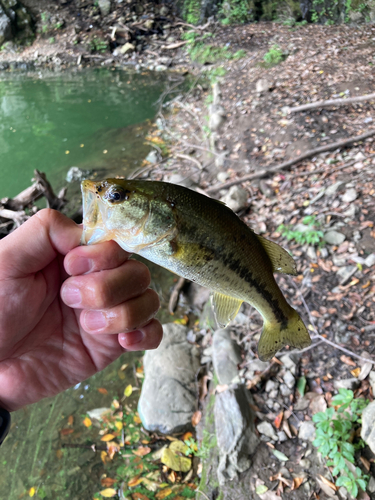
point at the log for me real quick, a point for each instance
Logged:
(331, 102)
(287, 164)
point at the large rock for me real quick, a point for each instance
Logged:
(368, 425)
(168, 397)
(5, 27)
(226, 357)
(235, 432)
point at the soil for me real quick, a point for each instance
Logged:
(321, 62)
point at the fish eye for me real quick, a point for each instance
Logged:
(116, 194)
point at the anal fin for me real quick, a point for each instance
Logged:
(225, 308)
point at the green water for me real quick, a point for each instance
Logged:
(42, 116)
(90, 118)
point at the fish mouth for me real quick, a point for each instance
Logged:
(93, 223)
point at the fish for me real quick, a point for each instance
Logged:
(202, 240)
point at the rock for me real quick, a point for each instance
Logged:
(346, 272)
(262, 85)
(236, 437)
(152, 156)
(97, 414)
(281, 436)
(347, 383)
(305, 463)
(168, 398)
(349, 195)
(333, 188)
(360, 156)
(226, 357)
(5, 27)
(285, 391)
(236, 198)
(217, 117)
(368, 426)
(306, 431)
(288, 362)
(222, 176)
(105, 7)
(267, 429)
(160, 67)
(289, 380)
(311, 253)
(351, 211)
(370, 260)
(271, 385)
(372, 381)
(127, 48)
(323, 253)
(355, 17)
(77, 174)
(334, 237)
(371, 485)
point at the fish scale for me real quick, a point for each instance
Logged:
(201, 240)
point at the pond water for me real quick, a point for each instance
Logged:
(96, 120)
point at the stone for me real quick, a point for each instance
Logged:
(351, 211)
(97, 414)
(168, 398)
(271, 385)
(347, 383)
(226, 356)
(368, 426)
(236, 198)
(323, 253)
(289, 380)
(161, 67)
(235, 432)
(281, 436)
(267, 429)
(372, 381)
(285, 391)
(105, 7)
(289, 363)
(305, 463)
(306, 431)
(333, 188)
(152, 156)
(311, 253)
(127, 48)
(5, 27)
(76, 174)
(334, 237)
(349, 195)
(262, 85)
(217, 117)
(370, 260)
(346, 272)
(360, 156)
(371, 485)
(222, 176)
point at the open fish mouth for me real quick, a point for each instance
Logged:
(93, 224)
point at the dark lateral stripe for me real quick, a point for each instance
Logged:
(235, 265)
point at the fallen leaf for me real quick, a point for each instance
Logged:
(119, 425)
(355, 372)
(262, 488)
(135, 481)
(142, 451)
(66, 432)
(107, 437)
(196, 418)
(139, 496)
(175, 462)
(301, 385)
(137, 419)
(108, 493)
(163, 493)
(128, 391)
(278, 454)
(286, 429)
(187, 436)
(102, 390)
(297, 481)
(328, 483)
(32, 491)
(59, 454)
(347, 360)
(104, 456)
(70, 420)
(112, 448)
(87, 422)
(107, 481)
(366, 463)
(178, 447)
(150, 485)
(278, 420)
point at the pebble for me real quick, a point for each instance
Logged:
(282, 436)
(285, 391)
(333, 188)
(323, 253)
(305, 463)
(306, 431)
(236, 198)
(222, 176)
(338, 261)
(371, 485)
(288, 362)
(271, 385)
(359, 156)
(347, 383)
(289, 379)
(266, 429)
(334, 237)
(370, 260)
(372, 381)
(262, 85)
(350, 212)
(349, 195)
(368, 426)
(345, 273)
(311, 253)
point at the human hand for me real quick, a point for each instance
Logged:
(66, 311)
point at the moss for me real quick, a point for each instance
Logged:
(191, 11)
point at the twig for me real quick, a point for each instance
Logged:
(203, 494)
(336, 346)
(287, 164)
(190, 158)
(53, 201)
(174, 45)
(173, 300)
(331, 102)
(254, 381)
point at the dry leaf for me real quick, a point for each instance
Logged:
(163, 493)
(365, 463)
(278, 420)
(104, 456)
(135, 481)
(59, 454)
(175, 462)
(70, 420)
(108, 493)
(142, 451)
(178, 447)
(119, 425)
(87, 422)
(102, 390)
(107, 481)
(328, 483)
(297, 481)
(108, 437)
(137, 419)
(66, 432)
(196, 418)
(355, 372)
(347, 360)
(139, 496)
(128, 391)
(187, 436)
(112, 448)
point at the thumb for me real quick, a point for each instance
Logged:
(36, 243)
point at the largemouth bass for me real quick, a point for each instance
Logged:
(203, 241)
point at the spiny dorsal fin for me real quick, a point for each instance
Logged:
(225, 308)
(281, 261)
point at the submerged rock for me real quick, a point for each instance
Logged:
(168, 398)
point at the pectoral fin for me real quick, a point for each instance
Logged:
(281, 261)
(225, 308)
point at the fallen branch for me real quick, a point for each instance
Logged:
(287, 164)
(173, 300)
(174, 45)
(331, 102)
(53, 201)
(331, 170)
(17, 217)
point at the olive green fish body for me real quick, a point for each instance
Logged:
(202, 240)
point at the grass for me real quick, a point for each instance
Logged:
(274, 56)
(313, 235)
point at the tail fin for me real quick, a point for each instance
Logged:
(274, 336)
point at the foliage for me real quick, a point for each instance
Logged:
(45, 17)
(98, 45)
(235, 11)
(274, 56)
(205, 53)
(192, 11)
(312, 236)
(335, 430)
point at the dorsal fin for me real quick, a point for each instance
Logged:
(281, 261)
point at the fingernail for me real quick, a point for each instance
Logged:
(71, 296)
(81, 265)
(95, 320)
(133, 338)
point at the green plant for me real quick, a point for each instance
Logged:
(52, 39)
(335, 430)
(234, 11)
(274, 56)
(311, 235)
(192, 11)
(44, 16)
(98, 45)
